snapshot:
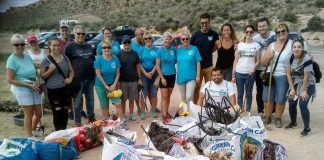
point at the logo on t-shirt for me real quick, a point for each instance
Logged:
(113, 65)
(172, 53)
(210, 38)
(115, 48)
(191, 52)
(153, 53)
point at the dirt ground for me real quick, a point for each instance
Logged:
(298, 148)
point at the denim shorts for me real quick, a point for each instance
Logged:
(27, 98)
(148, 86)
(278, 90)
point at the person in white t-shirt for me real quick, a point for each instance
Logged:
(35, 52)
(218, 88)
(245, 63)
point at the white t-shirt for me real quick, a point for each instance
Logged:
(218, 91)
(283, 61)
(264, 43)
(37, 57)
(247, 53)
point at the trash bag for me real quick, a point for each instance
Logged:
(271, 151)
(56, 151)
(17, 149)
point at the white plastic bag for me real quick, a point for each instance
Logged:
(68, 133)
(111, 150)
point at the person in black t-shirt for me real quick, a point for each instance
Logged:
(82, 59)
(129, 75)
(204, 40)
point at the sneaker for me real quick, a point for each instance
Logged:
(267, 120)
(278, 123)
(132, 118)
(291, 126)
(154, 114)
(305, 132)
(71, 116)
(142, 115)
(84, 115)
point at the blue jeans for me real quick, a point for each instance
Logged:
(87, 90)
(303, 105)
(244, 83)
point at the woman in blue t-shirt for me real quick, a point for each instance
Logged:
(148, 55)
(107, 68)
(21, 74)
(165, 66)
(107, 36)
(188, 59)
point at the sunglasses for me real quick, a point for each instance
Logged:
(127, 42)
(185, 39)
(282, 31)
(247, 32)
(149, 38)
(19, 44)
(80, 34)
(106, 47)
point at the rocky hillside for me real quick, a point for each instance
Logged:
(162, 14)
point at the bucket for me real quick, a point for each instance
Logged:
(19, 119)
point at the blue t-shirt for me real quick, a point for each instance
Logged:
(115, 48)
(187, 59)
(148, 57)
(108, 69)
(135, 46)
(24, 70)
(168, 60)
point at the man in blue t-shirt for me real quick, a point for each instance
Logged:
(204, 40)
(82, 59)
(137, 45)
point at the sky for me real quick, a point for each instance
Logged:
(6, 4)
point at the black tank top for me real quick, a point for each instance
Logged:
(225, 58)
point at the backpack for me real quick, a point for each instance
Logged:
(316, 68)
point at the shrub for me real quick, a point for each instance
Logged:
(289, 16)
(315, 24)
(319, 3)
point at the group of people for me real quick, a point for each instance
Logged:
(134, 68)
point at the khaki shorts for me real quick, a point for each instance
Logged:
(130, 90)
(206, 74)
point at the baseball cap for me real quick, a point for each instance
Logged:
(31, 38)
(126, 38)
(64, 25)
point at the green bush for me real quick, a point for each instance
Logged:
(289, 16)
(319, 3)
(315, 24)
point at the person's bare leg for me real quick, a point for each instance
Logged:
(142, 103)
(280, 108)
(169, 98)
(123, 106)
(268, 109)
(131, 107)
(153, 102)
(37, 116)
(119, 110)
(105, 112)
(28, 116)
(139, 108)
(164, 101)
